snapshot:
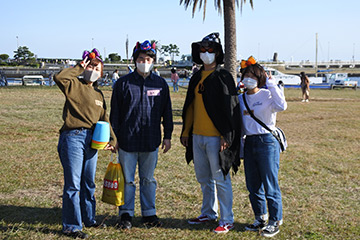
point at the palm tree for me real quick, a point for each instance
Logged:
(229, 26)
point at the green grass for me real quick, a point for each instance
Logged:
(319, 172)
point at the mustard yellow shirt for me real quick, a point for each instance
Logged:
(197, 116)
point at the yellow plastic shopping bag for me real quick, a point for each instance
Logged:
(113, 189)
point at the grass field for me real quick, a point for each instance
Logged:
(319, 173)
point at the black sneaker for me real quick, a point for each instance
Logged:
(256, 226)
(125, 222)
(271, 230)
(151, 221)
(77, 234)
(97, 225)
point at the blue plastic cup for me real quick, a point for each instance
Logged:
(101, 135)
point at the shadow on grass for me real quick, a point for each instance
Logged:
(15, 216)
(169, 223)
(182, 224)
(19, 217)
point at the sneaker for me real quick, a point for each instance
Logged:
(77, 234)
(271, 230)
(224, 227)
(200, 219)
(307, 100)
(151, 221)
(97, 225)
(256, 226)
(125, 222)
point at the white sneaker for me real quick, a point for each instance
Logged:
(271, 230)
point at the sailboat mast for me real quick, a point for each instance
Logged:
(316, 56)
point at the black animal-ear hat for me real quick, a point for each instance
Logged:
(211, 40)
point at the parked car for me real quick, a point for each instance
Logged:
(33, 80)
(341, 80)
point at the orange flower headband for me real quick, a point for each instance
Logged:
(245, 63)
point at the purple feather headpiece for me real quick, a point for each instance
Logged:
(93, 54)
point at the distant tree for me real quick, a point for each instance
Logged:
(23, 54)
(171, 49)
(114, 57)
(164, 50)
(158, 48)
(4, 57)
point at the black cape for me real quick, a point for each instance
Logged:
(222, 105)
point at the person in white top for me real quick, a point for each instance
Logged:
(115, 77)
(261, 150)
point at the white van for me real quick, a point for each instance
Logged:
(33, 80)
(341, 80)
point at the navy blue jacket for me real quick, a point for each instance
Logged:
(138, 107)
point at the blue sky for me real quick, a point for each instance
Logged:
(65, 28)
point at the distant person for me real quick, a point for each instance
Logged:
(156, 71)
(114, 77)
(175, 79)
(140, 104)
(281, 85)
(84, 107)
(194, 68)
(261, 150)
(211, 132)
(130, 69)
(51, 80)
(305, 87)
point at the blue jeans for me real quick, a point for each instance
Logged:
(176, 87)
(261, 162)
(147, 164)
(211, 178)
(79, 163)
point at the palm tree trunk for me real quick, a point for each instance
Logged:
(230, 37)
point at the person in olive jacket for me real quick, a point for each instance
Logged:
(211, 131)
(84, 107)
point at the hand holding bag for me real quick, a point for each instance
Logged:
(277, 133)
(114, 184)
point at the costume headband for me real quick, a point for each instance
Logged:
(245, 63)
(145, 46)
(93, 54)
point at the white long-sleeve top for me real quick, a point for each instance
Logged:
(265, 104)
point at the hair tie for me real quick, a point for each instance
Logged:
(250, 61)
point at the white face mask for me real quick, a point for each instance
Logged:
(144, 67)
(250, 83)
(91, 76)
(207, 58)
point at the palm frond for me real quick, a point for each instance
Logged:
(243, 2)
(217, 3)
(204, 9)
